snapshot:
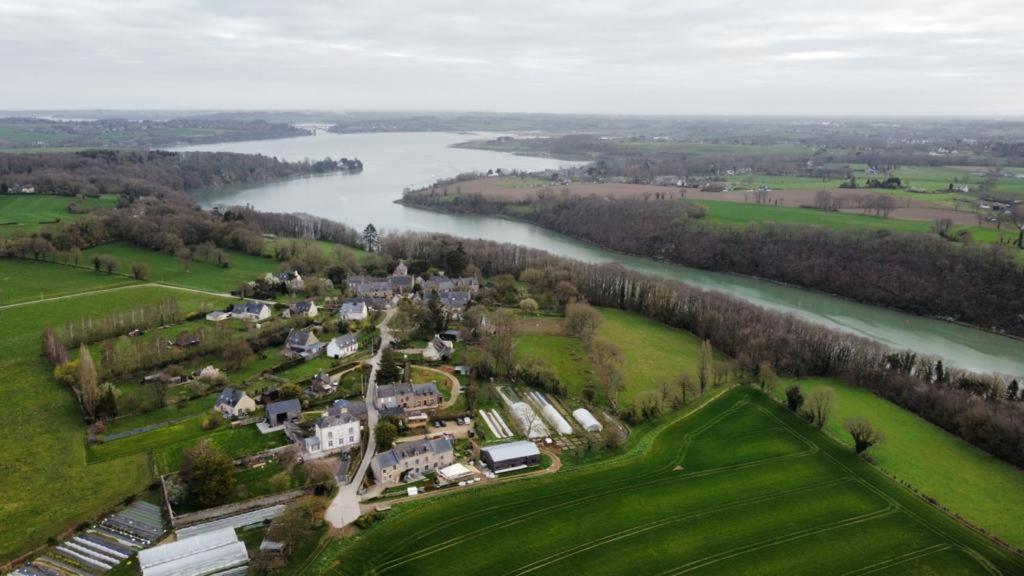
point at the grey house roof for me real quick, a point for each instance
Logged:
(292, 406)
(356, 408)
(345, 340)
(301, 307)
(455, 299)
(426, 389)
(302, 338)
(352, 306)
(249, 308)
(230, 396)
(409, 449)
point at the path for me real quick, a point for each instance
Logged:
(456, 386)
(344, 509)
(115, 289)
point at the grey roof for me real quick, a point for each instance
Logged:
(426, 389)
(352, 305)
(302, 306)
(345, 340)
(455, 299)
(230, 396)
(401, 281)
(404, 450)
(302, 338)
(355, 407)
(284, 407)
(334, 418)
(249, 308)
(510, 450)
(373, 286)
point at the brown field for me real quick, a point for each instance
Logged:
(506, 190)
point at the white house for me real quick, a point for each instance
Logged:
(251, 311)
(234, 403)
(342, 346)
(354, 310)
(333, 431)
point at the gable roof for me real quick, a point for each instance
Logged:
(230, 396)
(344, 341)
(250, 307)
(425, 389)
(284, 407)
(302, 306)
(302, 338)
(404, 450)
(355, 407)
(510, 450)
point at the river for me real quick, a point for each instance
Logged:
(396, 161)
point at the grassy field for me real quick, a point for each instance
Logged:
(738, 487)
(991, 495)
(28, 212)
(46, 484)
(27, 280)
(167, 269)
(652, 352)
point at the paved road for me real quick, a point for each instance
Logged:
(344, 509)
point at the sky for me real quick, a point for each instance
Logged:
(688, 57)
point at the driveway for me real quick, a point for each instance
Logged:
(344, 509)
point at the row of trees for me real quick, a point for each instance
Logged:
(972, 406)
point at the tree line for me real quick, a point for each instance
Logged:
(984, 410)
(916, 273)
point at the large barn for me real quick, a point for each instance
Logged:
(510, 456)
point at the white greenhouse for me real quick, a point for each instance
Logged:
(587, 420)
(214, 553)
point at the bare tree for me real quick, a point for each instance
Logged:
(819, 405)
(864, 434)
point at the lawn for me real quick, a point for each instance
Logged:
(652, 352)
(166, 268)
(991, 495)
(27, 280)
(738, 487)
(27, 212)
(46, 485)
(562, 354)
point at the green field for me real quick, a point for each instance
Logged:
(738, 487)
(562, 354)
(991, 495)
(46, 484)
(27, 212)
(27, 280)
(168, 269)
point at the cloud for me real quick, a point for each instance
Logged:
(664, 56)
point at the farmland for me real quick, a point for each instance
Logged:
(738, 485)
(167, 269)
(27, 212)
(991, 495)
(26, 280)
(47, 484)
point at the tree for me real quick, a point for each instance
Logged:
(864, 434)
(606, 359)
(88, 387)
(529, 306)
(290, 390)
(582, 321)
(819, 405)
(97, 263)
(499, 341)
(766, 375)
(111, 264)
(53, 347)
(565, 293)
(389, 370)
(456, 261)
(140, 270)
(371, 240)
(794, 398)
(688, 391)
(1013, 391)
(208, 472)
(107, 406)
(236, 353)
(385, 433)
(704, 368)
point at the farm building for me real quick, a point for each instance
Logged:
(587, 420)
(285, 411)
(218, 316)
(214, 553)
(510, 456)
(457, 473)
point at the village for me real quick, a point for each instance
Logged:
(363, 396)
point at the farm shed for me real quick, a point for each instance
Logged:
(587, 420)
(457, 473)
(213, 553)
(510, 456)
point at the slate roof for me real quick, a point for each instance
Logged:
(455, 299)
(249, 308)
(302, 338)
(405, 450)
(333, 419)
(230, 396)
(292, 406)
(353, 306)
(426, 389)
(356, 408)
(302, 306)
(345, 340)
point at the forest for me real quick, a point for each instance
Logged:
(922, 274)
(135, 173)
(984, 410)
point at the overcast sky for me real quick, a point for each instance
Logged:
(891, 57)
